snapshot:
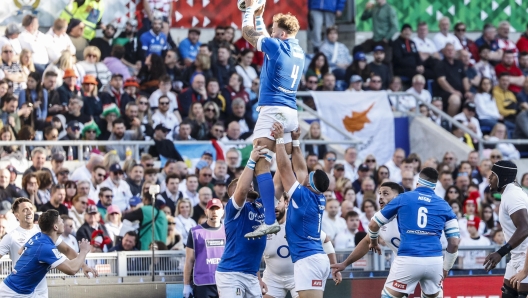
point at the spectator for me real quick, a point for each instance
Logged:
(128, 242)
(113, 222)
(355, 84)
(9, 111)
(244, 68)
(214, 96)
(234, 90)
(418, 88)
(508, 150)
(451, 83)
(174, 69)
(345, 239)
(379, 68)
(165, 116)
(318, 67)
(332, 224)
(223, 68)
(426, 49)
(12, 31)
(164, 89)
(339, 58)
(467, 117)
(118, 187)
(38, 158)
(322, 13)
(471, 73)
(75, 32)
(30, 187)
(71, 192)
(212, 115)
(329, 83)
(516, 76)
(171, 196)
(368, 209)
(153, 41)
(363, 173)
(407, 62)
(92, 106)
(503, 40)
(189, 46)
(384, 26)
(407, 180)
(152, 70)
(486, 107)
(144, 216)
(466, 43)
(68, 89)
(233, 132)
(35, 41)
(119, 132)
(12, 69)
(113, 92)
(91, 65)
(471, 259)
(522, 43)
(394, 165)
(73, 133)
(110, 114)
(489, 38)
(484, 67)
(92, 220)
(315, 134)
(350, 167)
(196, 93)
(114, 62)
(26, 62)
(506, 100)
(58, 195)
(205, 195)
(57, 162)
(183, 218)
(104, 43)
(359, 67)
(135, 179)
(67, 236)
(58, 67)
(523, 63)
(60, 41)
(239, 115)
(36, 98)
(443, 38)
(201, 65)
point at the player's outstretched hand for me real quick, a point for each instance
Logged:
(516, 280)
(263, 287)
(277, 130)
(374, 246)
(296, 134)
(257, 152)
(337, 277)
(87, 270)
(84, 246)
(260, 11)
(491, 261)
(337, 267)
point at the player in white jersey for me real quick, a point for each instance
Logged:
(277, 278)
(389, 232)
(513, 217)
(14, 240)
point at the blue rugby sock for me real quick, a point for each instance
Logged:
(267, 193)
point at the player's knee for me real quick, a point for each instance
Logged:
(509, 292)
(437, 295)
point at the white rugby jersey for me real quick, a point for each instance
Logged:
(15, 239)
(391, 235)
(513, 200)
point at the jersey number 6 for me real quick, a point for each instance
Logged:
(422, 217)
(295, 74)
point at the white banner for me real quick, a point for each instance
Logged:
(366, 116)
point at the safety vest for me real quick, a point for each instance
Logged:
(209, 247)
(90, 13)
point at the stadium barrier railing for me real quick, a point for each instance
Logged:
(171, 262)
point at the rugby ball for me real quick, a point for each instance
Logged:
(242, 4)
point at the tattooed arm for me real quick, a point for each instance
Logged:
(249, 32)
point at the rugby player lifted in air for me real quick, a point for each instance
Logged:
(280, 77)
(422, 216)
(513, 217)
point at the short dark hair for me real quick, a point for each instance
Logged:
(47, 220)
(132, 234)
(351, 214)
(321, 180)
(165, 79)
(429, 174)
(393, 186)
(103, 189)
(50, 74)
(445, 173)
(408, 160)
(17, 202)
(503, 74)
(484, 47)
(56, 187)
(330, 152)
(118, 51)
(331, 29)
(171, 176)
(150, 171)
(118, 121)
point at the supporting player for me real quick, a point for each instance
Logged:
(14, 240)
(513, 218)
(278, 277)
(280, 77)
(236, 275)
(303, 221)
(389, 232)
(422, 216)
(39, 256)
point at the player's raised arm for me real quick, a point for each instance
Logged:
(245, 180)
(299, 163)
(249, 32)
(71, 254)
(284, 166)
(71, 267)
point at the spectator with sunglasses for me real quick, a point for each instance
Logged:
(105, 200)
(119, 187)
(467, 44)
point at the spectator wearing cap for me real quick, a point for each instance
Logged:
(135, 203)
(92, 65)
(104, 43)
(106, 196)
(144, 216)
(356, 83)
(73, 133)
(189, 46)
(359, 67)
(443, 37)
(220, 190)
(508, 65)
(378, 67)
(13, 176)
(204, 196)
(119, 133)
(130, 94)
(57, 161)
(58, 194)
(92, 220)
(59, 40)
(338, 54)
(113, 92)
(162, 146)
(135, 179)
(406, 61)
(75, 32)
(35, 41)
(171, 195)
(12, 31)
(118, 186)
(92, 106)
(363, 173)
(198, 272)
(110, 113)
(69, 88)
(11, 69)
(38, 158)
(467, 117)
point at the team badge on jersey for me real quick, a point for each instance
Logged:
(258, 205)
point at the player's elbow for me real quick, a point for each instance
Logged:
(452, 244)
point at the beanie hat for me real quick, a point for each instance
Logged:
(91, 126)
(473, 221)
(73, 23)
(110, 108)
(506, 172)
(472, 198)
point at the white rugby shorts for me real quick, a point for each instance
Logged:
(279, 286)
(237, 284)
(407, 272)
(271, 114)
(6, 291)
(311, 272)
(514, 266)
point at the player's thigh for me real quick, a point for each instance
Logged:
(403, 276)
(235, 284)
(269, 115)
(311, 294)
(277, 287)
(311, 273)
(432, 280)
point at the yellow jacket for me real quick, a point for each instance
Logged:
(90, 13)
(506, 101)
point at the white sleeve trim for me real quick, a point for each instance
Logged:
(259, 43)
(58, 262)
(235, 204)
(292, 189)
(380, 219)
(323, 237)
(59, 241)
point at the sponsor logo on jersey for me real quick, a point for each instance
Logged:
(258, 205)
(215, 242)
(317, 283)
(212, 261)
(399, 285)
(56, 252)
(418, 232)
(422, 198)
